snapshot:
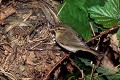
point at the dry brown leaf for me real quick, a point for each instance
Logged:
(12, 25)
(6, 12)
(8, 48)
(26, 78)
(114, 42)
(31, 58)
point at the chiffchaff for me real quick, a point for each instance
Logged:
(67, 38)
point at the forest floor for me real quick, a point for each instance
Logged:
(27, 46)
(28, 50)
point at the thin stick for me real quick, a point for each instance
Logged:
(77, 67)
(47, 76)
(61, 9)
(102, 33)
(27, 16)
(57, 20)
(92, 29)
(93, 69)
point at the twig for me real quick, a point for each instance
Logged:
(61, 9)
(27, 16)
(77, 67)
(92, 28)
(6, 12)
(93, 69)
(12, 77)
(71, 77)
(103, 32)
(47, 76)
(57, 20)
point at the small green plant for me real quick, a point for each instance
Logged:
(79, 13)
(104, 14)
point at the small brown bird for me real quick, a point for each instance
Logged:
(67, 38)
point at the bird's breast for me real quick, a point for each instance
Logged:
(69, 48)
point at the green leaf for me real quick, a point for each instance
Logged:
(111, 75)
(78, 3)
(90, 3)
(84, 64)
(74, 14)
(108, 15)
(87, 77)
(98, 78)
(101, 70)
(114, 77)
(87, 62)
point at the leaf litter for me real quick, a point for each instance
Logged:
(27, 47)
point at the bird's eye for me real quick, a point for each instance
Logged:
(58, 29)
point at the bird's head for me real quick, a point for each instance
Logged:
(59, 31)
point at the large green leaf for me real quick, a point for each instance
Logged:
(84, 64)
(114, 77)
(108, 15)
(90, 3)
(75, 15)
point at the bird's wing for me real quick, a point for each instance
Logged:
(72, 40)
